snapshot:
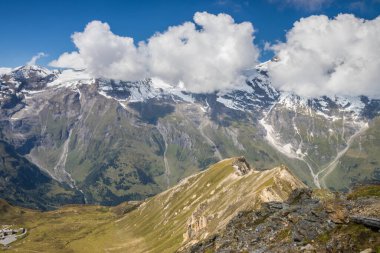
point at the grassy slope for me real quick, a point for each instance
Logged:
(361, 163)
(22, 183)
(185, 160)
(53, 231)
(113, 160)
(159, 223)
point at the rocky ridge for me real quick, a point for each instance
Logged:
(309, 221)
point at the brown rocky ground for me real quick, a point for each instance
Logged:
(309, 221)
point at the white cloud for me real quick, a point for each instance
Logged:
(71, 60)
(206, 55)
(324, 56)
(36, 58)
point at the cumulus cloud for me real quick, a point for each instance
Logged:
(205, 55)
(36, 58)
(323, 56)
(69, 60)
(309, 5)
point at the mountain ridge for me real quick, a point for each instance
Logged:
(196, 207)
(229, 206)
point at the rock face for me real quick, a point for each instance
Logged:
(26, 77)
(367, 221)
(242, 166)
(298, 219)
(195, 225)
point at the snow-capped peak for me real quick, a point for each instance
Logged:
(255, 93)
(28, 71)
(4, 71)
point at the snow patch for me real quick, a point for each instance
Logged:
(4, 71)
(229, 103)
(353, 105)
(70, 77)
(274, 140)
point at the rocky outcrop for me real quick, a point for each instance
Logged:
(306, 222)
(195, 225)
(241, 165)
(367, 221)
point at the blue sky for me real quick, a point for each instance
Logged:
(30, 27)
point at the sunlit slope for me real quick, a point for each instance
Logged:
(195, 208)
(54, 231)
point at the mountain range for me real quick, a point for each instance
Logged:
(66, 137)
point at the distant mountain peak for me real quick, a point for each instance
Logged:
(28, 71)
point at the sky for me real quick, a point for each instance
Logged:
(217, 38)
(31, 27)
